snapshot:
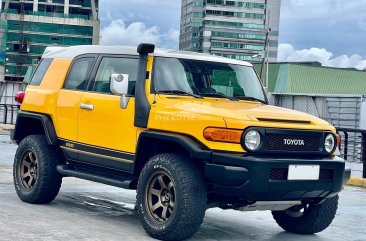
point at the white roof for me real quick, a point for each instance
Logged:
(74, 51)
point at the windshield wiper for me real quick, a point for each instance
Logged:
(218, 94)
(179, 92)
(243, 97)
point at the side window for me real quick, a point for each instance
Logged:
(114, 65)
(40, 71)
(78, 75)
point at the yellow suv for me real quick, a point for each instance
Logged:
(188, 131)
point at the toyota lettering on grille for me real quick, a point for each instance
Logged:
(292, 142)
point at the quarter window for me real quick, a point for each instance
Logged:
(40, 71)
(79, 73)
(114, 65)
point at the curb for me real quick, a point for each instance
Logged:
(6, 127)
(358, 182)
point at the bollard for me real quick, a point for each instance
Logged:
(5, 114)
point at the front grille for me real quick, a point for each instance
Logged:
(276, 142)
(281, 174)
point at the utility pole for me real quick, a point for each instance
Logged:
(268, 30)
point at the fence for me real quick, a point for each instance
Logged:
(8, 114)
(345, 132)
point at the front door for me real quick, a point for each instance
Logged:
(106, 132)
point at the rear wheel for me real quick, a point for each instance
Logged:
(171, 197)
(35, 175)
(307, 218)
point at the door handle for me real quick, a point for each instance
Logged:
(86, 107)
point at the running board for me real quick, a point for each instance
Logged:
(67, 171)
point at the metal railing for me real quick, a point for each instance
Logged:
(8, 113)
(357, 141)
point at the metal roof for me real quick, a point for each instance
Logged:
(310, 79)
(74, 51)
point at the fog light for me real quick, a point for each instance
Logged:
(329, 143)
(252, 140)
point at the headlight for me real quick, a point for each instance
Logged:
(252, 140)
(329, 143)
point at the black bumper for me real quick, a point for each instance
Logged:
(265, 179)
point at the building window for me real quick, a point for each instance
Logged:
(196, 24)
(233, 24)
(237, 46)
(238, 35)
(197, 15)
(198, 4)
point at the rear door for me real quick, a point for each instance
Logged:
(68, 102)
(106, 132)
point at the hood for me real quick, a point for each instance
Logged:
(237, 114)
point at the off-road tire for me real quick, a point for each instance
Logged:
(315, 218)
(48, 182)
(190, 198)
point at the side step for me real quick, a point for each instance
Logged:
(68, 171)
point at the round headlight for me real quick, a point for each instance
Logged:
(329, 143)
(252, 140)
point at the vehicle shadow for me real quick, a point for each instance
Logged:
(217, 225)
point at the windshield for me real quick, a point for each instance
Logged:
(203, 78)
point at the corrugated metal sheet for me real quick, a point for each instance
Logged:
(305, 78)
(309, 79)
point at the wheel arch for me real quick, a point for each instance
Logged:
(34, 124)
(151, 143)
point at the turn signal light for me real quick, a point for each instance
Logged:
(222, 135)
(19, 97)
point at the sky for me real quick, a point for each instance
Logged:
(332, 32)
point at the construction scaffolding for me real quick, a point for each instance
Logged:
(28, 27)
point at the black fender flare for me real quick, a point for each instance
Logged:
(21, 123)
(196, 149)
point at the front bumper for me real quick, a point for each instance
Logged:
(265, 178)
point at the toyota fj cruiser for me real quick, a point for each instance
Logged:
(188, 131)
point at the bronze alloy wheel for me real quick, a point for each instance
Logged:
(28, 170)
(160, 197)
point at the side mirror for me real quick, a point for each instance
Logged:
(119, 86)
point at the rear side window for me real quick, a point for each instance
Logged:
(40, 71)
(79, 73)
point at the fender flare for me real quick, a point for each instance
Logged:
(18, 133)
(196, 149)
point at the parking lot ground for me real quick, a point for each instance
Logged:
(90, 211)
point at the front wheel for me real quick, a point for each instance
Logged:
(307, 218)
(171, 197)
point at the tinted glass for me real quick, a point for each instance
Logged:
(207, 78)
(110, 66)
(78, 76)
(40, 71)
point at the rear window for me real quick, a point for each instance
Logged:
(40, 71)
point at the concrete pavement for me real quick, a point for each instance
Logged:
(89, 211)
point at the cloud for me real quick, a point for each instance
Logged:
(287, 53)
(118, 32)
(337, 25)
